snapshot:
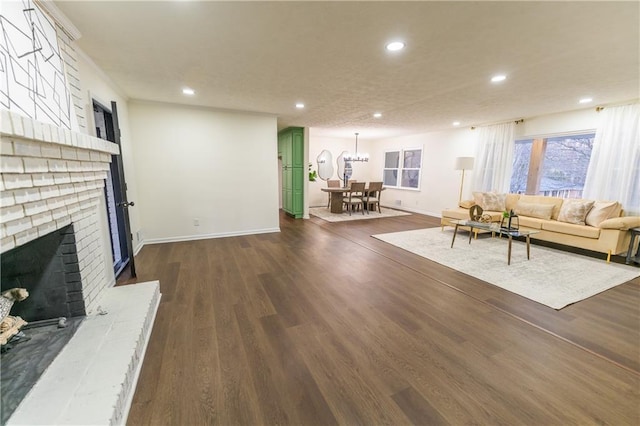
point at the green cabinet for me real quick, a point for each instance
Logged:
(291, 151)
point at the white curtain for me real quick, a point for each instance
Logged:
(614, 168)
(494, 158)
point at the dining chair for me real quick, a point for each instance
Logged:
(373, 196)
(355, 199)
(332, 184)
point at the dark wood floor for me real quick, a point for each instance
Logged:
(322, 324)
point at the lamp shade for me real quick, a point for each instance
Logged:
(464, 163)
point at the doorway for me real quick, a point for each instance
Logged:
(115, 192)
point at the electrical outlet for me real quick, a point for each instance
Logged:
(196, 222)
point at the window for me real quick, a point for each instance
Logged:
(555, 166)
(402, 168)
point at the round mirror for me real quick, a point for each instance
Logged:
(325, 165)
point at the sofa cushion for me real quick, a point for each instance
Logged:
(601, 211)
(490, 200)
(466, 204)
(540, 199)
(624, 223)
(571, 229)
(575, 211)
(511, 201)
(542, 211)
(530, 222)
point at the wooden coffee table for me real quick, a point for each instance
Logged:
(495, 228)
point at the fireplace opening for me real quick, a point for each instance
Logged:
(49, 269)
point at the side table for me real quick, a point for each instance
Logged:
(635, 232)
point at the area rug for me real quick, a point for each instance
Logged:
(325, 213)
(552, 277)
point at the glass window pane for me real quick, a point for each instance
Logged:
(412, 159)
(410, 178)
(391, 159)
(390, 177)
(521, 158)
(564, 167)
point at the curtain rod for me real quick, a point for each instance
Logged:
(503, 122)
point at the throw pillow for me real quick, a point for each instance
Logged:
(574, 211)
(477, 198)
(542, 211)
(601, 211)
(467, 204)
(493, 202)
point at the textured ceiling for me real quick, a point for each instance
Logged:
(266, 56)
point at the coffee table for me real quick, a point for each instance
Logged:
(495, 228)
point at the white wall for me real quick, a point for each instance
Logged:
(439, 182)
(553, 124)
(219, 167)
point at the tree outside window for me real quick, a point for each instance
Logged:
(555, 166)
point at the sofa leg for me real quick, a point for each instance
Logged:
(609, 257)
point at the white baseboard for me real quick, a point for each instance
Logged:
(209, 236)
(409, 209)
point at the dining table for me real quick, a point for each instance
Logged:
(337, 197)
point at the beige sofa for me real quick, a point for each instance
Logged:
(603, 227)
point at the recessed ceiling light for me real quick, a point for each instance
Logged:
(377, 114)
(456, 123)
(585, 100)
(188, 91)
(299, 105)
(395, 45)
(498, 78)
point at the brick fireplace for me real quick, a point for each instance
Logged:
(52, 178)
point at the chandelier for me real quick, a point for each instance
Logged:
(357, 156)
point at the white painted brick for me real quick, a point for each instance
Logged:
(51, 151)
(105, 158)
(6, 146)
(7, 243)
(95, 156)
(11, 164)
(3, 231)
(80, 187)
(61, 178)
(17, 226)
(31, 209)
(101, 167)
(83, 196)
(70, 199)
(2, 187)
(15, 181)
(5, 122)
(26, 148)
(74, 166)
(47, 228)
(27, 124)
(63, 222)
(26, 195)
(7, 214)
(41, 218)
(73, 209)
(26, 236)
(55, 203)
(76, 177)
(35, 165)
(43, 179)
(49, 192)
(76, 139)
(68, 140)
(57, 166)
(84, 155)
(69, 153)
(59, 213)
(47, 134)
(66, 189)
(87, 166)
(38, 134)
(102, 176)
(16, 122)
(7, 199)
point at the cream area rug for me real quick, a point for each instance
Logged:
(552, 277)
(325, 213)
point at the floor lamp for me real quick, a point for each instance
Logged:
(463, 163)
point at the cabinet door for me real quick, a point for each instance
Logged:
(297, 148)
(298, 180)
